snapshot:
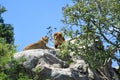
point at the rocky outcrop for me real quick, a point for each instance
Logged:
(47, 64)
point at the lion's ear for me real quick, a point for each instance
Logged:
(47, 37)
(42, 38)
(60, 33)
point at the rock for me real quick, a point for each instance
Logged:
(47, 64)
(38, 56)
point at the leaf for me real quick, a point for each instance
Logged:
(2, 9)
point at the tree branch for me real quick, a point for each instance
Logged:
(101, 33)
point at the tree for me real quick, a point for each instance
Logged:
(96, 24)
(7, 47)
(9, 68)
(6, 30)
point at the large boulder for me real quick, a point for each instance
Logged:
(47, 64)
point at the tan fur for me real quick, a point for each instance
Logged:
(41, 44)
(58, 39)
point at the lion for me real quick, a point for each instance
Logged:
(58, 39)
(41, 44)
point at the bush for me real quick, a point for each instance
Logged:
(6, 52)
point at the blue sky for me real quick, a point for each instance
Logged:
(30, 18)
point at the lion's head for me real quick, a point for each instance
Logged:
(45, 39)
(58, 39)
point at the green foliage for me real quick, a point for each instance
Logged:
(37, 69)
(95, 27)
(65, 49)
(10, 69)
(3, 76)
(6, 52)
(13, 70)
(50, 32)
(2, 9)
(6, 32)
(48, 79)
(23, 77)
